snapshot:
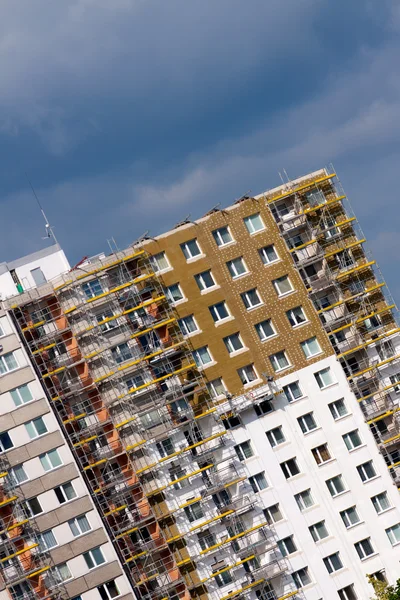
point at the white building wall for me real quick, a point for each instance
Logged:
(282, 491)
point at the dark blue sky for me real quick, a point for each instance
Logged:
(128, 115)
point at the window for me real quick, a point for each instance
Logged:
(236, 267)
(366, 471)
(94, 558)
(79, 525)
(364, 548)
(352, 440)
(381, 502)
(395, 379)
(265, 330)
(174, 293)
(324, 378)
(191, 249)
(65, 492)
(38, 276)
(333, 563)
(8, 363)
(21, 395)
(231, 422)
(311, 347)
(393, 534)
(36, 427)
(263, 408)
(287, 545)
(17, 474)
(121, 353)
(307, 423)
(385, 349)
(275, 436)
(202, 356)
(290, 468)
(336, 485)
(282, 285)
(50, 460)
(372, 323)
(244, 450)
(301, 578)
(233, 343)
(47, 540)
(338, 409)
(348, 593)
(165, 447)
(292, 391)
(279, 361)
(273, 514)
(318, 531)
(268, 255)
(222, 236)
(304, 499)
(178, 473)
(205, 280)
(92, 288)
(216, 387)
(108, 590)
(296, 316)
(247, 374)
(194, 511)
(5, 441)
(206, 539)
(251, 299)
(160, 262)
(32, 507)
(254, 223)
(258, 482)
(223, 578)
(219, 311)
(321, 454)
(350, 517)
(61, 573)
(2, 334)
(188, 325)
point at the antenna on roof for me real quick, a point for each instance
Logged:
(49, 229)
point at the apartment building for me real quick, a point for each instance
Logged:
(293, 328)
(53, 542)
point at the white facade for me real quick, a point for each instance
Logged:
(311, 476)
(30, 271)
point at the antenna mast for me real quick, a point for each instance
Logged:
(49, 229)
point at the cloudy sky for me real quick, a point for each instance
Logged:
(128, 115)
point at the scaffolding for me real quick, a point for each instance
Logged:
(346, 287)
(145, 433)
(27, 572)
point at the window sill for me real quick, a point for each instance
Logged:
(298, 325)
(253, 233)
(284, 369)
(251, 308)
(237, 352)
(314, 355)
(340, 494)
(386, 510)
(162, 271)
(326, 462)
(309, 508)
(343, 417)
(192, 333)
(369, 556)
(210, 364)
(271, 337)
(225, 320)
(252, 383)
(209, 289)
(357, 448)
(273, 262)
(195, 258)
(178, 301)
(328, 386)
(232, 243)
(312, 431)
(354, 525)
(286, 294)
(372, 479)
(290, 402)
(236, 277)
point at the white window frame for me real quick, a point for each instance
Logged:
(330, 563)
(377, 502)
(264, 256)
(317, 529)
(288, 391)
(361, 470)
(243, 374)
(56, 570)
(284, 548)
(4, 364)
(198, 357)
(275, 364)
(247, 299)
(395, 379)
(218, 236)
(105, 589)
(155, 262)
(75, 525)
(241, 453)
(334, 411)
(318, 455)
(347, 520)
(29, 504)
(231, 266)
(349, 441)
(348, 593)
(3, 447)
(300, 499)
(191, 514)
(394, 538)
(248, 221)
(272, 436)
(361, 551)
(212, 386)
(276, 283)
(43, 546)
(18, 394)
(331, 485)
(319, 378)
(304, 425)
(63, 493)
(273, 511)
(184, 327)
(305, 346)
(201, 284)
(296, 316)
(187, 252)
(214, 311)
(11, 474)
(301, 577)
(90, 554)
(46, 457)
(286, 470)
(170, 296)
(229, 345)
(258, 482)
(261, 332)
(31, 428)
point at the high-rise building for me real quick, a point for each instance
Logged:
(216, 407)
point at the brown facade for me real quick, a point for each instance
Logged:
(259, 276)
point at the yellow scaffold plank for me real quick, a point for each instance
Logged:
(118, 425)
(369, 342)
(289, 595)
(19, 524)
(228, 568)
(380, 364)
(8, 500)
(115, 510)
(153, 381)
(43, 349)
(340, 302)
(392, 439)
(2, 560)
(136, 445)
(206, 413)
(322, 205)
(362, 319)
(217, 518)
(131, 558)
(38, 324)
(85, 441)
(359, 268)
(383, 416)
(3, 474)
(185, 561)
(74, 418)
(55, 372)
(192, 474)
(96, 464)
(243, 589)
(393, 465)
(189, 502)
(348, 247)
(233, 538)
(300, 188)
(69, 310)
(238, 480)
(302, 246)
(127, 532)
(38, 572)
